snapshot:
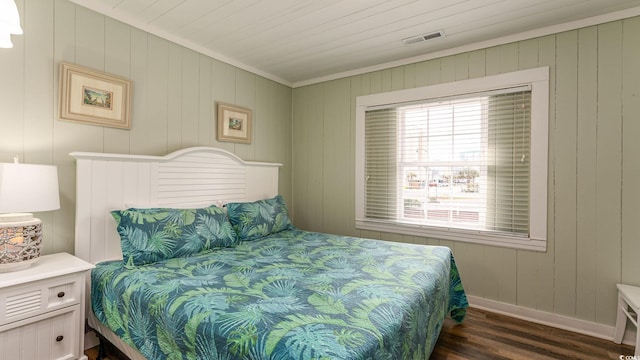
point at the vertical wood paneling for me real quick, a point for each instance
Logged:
(433, 72)
(502, 59)
(90, 38)
(421, 73)
(337, 145)
(117, 54)
(141, 121)
(206, 117)
(469, 256)
(375, 83)
(68, 136)
(586, 173)
(265, 93)
(410, 76)
(631, 149)
(391, 237)
(608, 176)
(189, 98)
(38, 124)
(500, 263)
(314, 160)
(528, 262)
(174, 99)
(565, 172)
(471, 266)
(545, 263)
(386, 80)
(298, 191)
(448, 69)
(366, 84)
(307, 158)
(156, 88)
(357, 87)
(462, 66)
(398, 78)
(63, 36)
(298, 162)
(246, 97)
(223, 90)
(477, 61)
(282, 106)
(117, 48)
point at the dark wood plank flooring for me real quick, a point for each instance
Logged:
(489, 336)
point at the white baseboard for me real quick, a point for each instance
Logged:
(558, 321)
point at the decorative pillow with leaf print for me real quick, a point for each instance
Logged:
(150, 235)
(253, 220)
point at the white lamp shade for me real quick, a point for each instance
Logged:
(28, 188)
(5, 41)
(9, 18)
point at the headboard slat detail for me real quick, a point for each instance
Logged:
(190, 177)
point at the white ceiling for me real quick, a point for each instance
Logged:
(297, 42)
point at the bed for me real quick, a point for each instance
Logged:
(253, 286)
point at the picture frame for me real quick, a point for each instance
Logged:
(234, 124)
(94, 97)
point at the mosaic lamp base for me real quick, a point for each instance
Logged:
(20, 241)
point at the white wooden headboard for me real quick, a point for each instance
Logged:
(191, 177)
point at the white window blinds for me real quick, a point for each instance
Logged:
(462, 161)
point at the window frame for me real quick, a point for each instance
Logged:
(538, 79)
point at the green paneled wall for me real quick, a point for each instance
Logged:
(594, 200)
(174, 95)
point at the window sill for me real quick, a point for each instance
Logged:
(469, 236)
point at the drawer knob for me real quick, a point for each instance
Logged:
(59, 338)
(61, 294)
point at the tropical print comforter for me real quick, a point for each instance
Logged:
(291, 295)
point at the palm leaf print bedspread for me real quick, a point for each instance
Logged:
(292, 295)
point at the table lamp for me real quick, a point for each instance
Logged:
(24, 188)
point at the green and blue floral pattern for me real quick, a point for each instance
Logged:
(150, 235)
(292, 295)
(253, 220)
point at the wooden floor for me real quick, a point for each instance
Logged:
(488, 336)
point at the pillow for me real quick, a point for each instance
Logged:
(253, 220)
(150, 235)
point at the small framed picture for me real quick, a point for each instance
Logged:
(94, 97)
(234, 124)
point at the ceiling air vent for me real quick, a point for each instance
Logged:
(424, 37)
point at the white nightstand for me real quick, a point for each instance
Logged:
(628, 308)
(42, 309)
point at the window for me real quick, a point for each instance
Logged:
(463, 161)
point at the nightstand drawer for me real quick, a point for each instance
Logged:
(23, 301)
(42, 309)
(51, 336)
